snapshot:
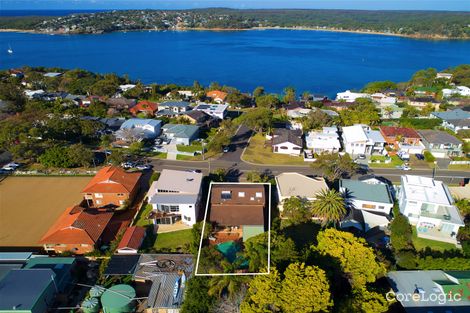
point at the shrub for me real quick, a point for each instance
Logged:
(406, 259)
(429, 157)
(401, 233)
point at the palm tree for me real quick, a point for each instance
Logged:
(226, 284)
(329, 206)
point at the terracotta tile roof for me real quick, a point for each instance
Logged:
(144, 106)
(77, 225)
(217, 94)
(132, 238)
(390, 131)
(112, 179)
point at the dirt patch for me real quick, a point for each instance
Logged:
(30, 205)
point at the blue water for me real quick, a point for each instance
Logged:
(44, 12)
(321, 62)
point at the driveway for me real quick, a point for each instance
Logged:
(443, 163)
(237, 144)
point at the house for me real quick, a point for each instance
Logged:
(463, 91)
(402, 138)
(349, 96)
(138, 129)
(429, 206)
(146, 107)
(423, 102)
(120, 104)
(444, 75)
(361, 195)
(298, 185)
(126, 87)
(78, 230)
(62, 267)
(360, 139)
(181, 134)
(173, 107)
(383, 99)
(323, 141)
(454, 120)
(287, 141)
(434, 291)
(167, 275)
(372, 226)
(440, 143)
(200, 118)
(297, 111)
(175, 196)
(218, 111)
(239, 208)
(131, 240)
(27, 291)
(217, 96)
(112, 186)
(337, 105)
(425, 91)
(33, 94)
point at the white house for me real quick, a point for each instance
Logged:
(459, 90)
(360, 139)
(298, 185)
(137, 129)
(215, 110)
(349, 96)
(287, 141)
(326, 140)
(126, 87)
(372, 197)
(181, 134)
(383, 99)
(175, 196)
(429, 206)
(444, 75)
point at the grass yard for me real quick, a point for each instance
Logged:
(183, 157)
(421, 243)
(142, 217)
(396, 161)
(194, 147)
(177, 241)
(256, 152)
(30, 205)
(458, 166)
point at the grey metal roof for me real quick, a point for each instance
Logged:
(173, 198)
(438, 137)
(282, 135)
(460, 122)
(180, 130)
(17, 289)
(180, 104)
(367, 192)
(162, 292)
(456, 114)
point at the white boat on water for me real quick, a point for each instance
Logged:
(10, 50)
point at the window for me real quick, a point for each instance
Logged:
(187, 218)
(121, 202)
(296, 148)
(226, 195)
(98, 195)
(381, 207)
(368, 206)
(241, 194)
(259, 194)
(98, 201)
(169, 208)
(283, 148)
(120, 195)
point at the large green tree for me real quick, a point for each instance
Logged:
(335, 166)
(296, 210)
(329, 206)
(263, 294)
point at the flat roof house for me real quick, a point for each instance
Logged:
(375, 198)
(27, 291)
(429, 206)
(432, 291)
(326, 140)
(138, 129)
(219, 110)
(239, 208)
(361, 139)
(440, 143)
(78, 230)
(175, 196)
(298, 185)
(112, 186)
(181, 134)
(287, 141)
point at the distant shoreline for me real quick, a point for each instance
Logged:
(333, 30)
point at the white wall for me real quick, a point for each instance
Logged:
(290, 148)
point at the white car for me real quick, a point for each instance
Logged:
(10, 166)
(406, 168)
(143, 167)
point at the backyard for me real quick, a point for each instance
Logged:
(258, 152)
(30, 205)
(421, 243)
(176, 241)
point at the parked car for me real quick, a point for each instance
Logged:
(361, 156)
(10, 166)
(226, 149)
(144, 167)
(405, 156)
(128, 164)
(195, 171)
(406, 168)
(158, 141)
(419, 156)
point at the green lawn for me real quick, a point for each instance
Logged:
(257, 152)
(177, 241)
(194, 147)
(421, 243)
(396, 161)
(183, 157)
(159, 155)
(458, 166)
(142, 217)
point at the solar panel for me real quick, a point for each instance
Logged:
(122, 264)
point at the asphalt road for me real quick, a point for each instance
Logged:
(231, 161)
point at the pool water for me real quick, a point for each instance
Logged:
(229, 249)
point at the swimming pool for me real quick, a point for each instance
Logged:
(229, 249)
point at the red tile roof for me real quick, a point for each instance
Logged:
(132, 238)
(217, 94)
(112, 179)
(77, 225)
(390, 131)
(144, 106)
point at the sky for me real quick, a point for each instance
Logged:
(450, 5)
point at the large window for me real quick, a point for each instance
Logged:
(170, 208)
(368, 206)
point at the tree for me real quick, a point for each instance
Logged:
(219, 175)
(263, 294)
(257, 177)
(316, 119)
(197, 299)
(136, 147)
(116, 157)
(363, 111)
(424, 78)
(296, 210)
(56, 157)
(227, 285)
(364, 301)
(258, 119)
(259, 91)
(267, 101)
(335, 166)
(356, 259)
(97, 109)
(379, 86)
(329, 206)
(104, 87)
(289, 95)
(305, 289)
(80, 155)
(401, 237)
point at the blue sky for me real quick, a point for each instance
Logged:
(454, 5)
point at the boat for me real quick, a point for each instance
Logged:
(10, 50)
